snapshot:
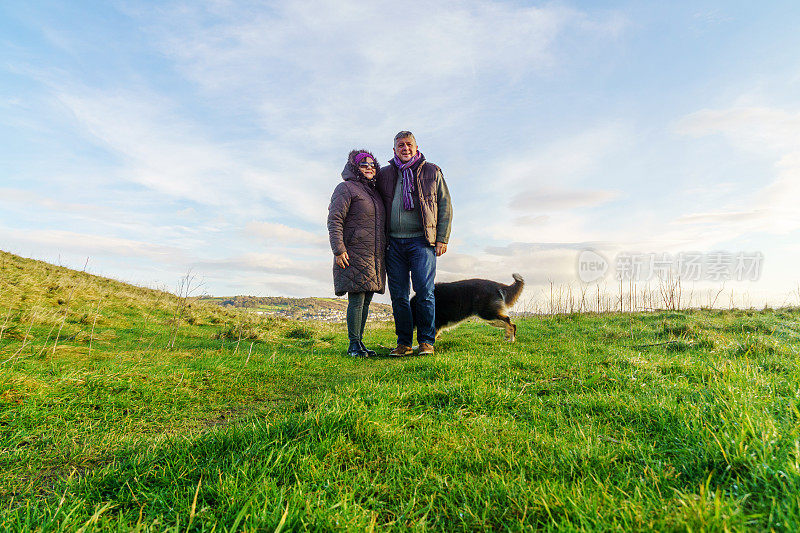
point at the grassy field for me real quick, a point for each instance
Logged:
(123, 408)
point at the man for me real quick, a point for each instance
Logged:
(418, 217)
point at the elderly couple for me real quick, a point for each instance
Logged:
(393, 220)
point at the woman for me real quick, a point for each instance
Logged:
(356, 227)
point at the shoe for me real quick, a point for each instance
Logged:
(355, 350)
(401, 350)
(370, 353)
(425, 348)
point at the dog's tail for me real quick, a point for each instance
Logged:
(513, 292)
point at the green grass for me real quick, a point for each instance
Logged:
(667, 421)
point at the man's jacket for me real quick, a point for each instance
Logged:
(431, 197)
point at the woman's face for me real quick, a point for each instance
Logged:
(367, 167)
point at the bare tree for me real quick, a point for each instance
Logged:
(187, 285)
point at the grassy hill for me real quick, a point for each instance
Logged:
(124, 408)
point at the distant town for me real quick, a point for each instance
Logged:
(321, 309)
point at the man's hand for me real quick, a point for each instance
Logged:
(343, 260)
(441, 248)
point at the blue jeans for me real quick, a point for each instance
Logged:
(417, 258)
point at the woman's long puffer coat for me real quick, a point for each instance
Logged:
(357, 224)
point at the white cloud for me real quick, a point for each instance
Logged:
(257, 261)
(554, 199)
(446, 39)
(280, 270)
(554, 176)
(564, 160)
(168, 154)
(312, 68)
(764, 131)
(16, 198)
(281, 233)
(158, 148)
(758, 129)
(87, 244)
(561, 176)
(532, 220)
(723, 217)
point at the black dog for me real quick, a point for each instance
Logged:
(458, 300)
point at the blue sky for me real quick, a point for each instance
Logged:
(158, 137)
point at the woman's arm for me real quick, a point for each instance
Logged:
(337, 212)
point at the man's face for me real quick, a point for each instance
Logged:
(405, 148)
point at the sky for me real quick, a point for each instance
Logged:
(146, 140)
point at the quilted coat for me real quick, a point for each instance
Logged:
(357, 224)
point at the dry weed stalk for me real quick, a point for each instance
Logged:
(91, 335)
(669, 294)
(63, 319)
(161, 291)
(583, 305)
(249, 353)
(24, 339)
(49, 334)
(671, 291)
(713, 302)
(5, 322)
(598, 298)
(66, 310)
(236, 350)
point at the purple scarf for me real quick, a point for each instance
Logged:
(408, 178)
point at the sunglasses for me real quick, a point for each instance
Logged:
(367, 164)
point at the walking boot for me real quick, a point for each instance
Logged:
(355, 350)
(370, 353)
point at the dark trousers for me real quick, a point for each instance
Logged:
(357, 311)
(415, 259)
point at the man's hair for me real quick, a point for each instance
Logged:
(403, 135)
